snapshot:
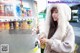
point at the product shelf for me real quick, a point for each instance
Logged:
(9, 19)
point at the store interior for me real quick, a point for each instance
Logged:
(16, 24)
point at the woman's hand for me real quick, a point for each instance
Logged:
(43, 40)
(41, 37)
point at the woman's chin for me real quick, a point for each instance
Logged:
(55, 20)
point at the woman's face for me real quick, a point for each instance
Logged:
(55, 15)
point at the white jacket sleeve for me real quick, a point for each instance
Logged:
(63, 47)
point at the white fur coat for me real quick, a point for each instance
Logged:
(63, 40)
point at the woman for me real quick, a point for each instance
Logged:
(58, 34)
